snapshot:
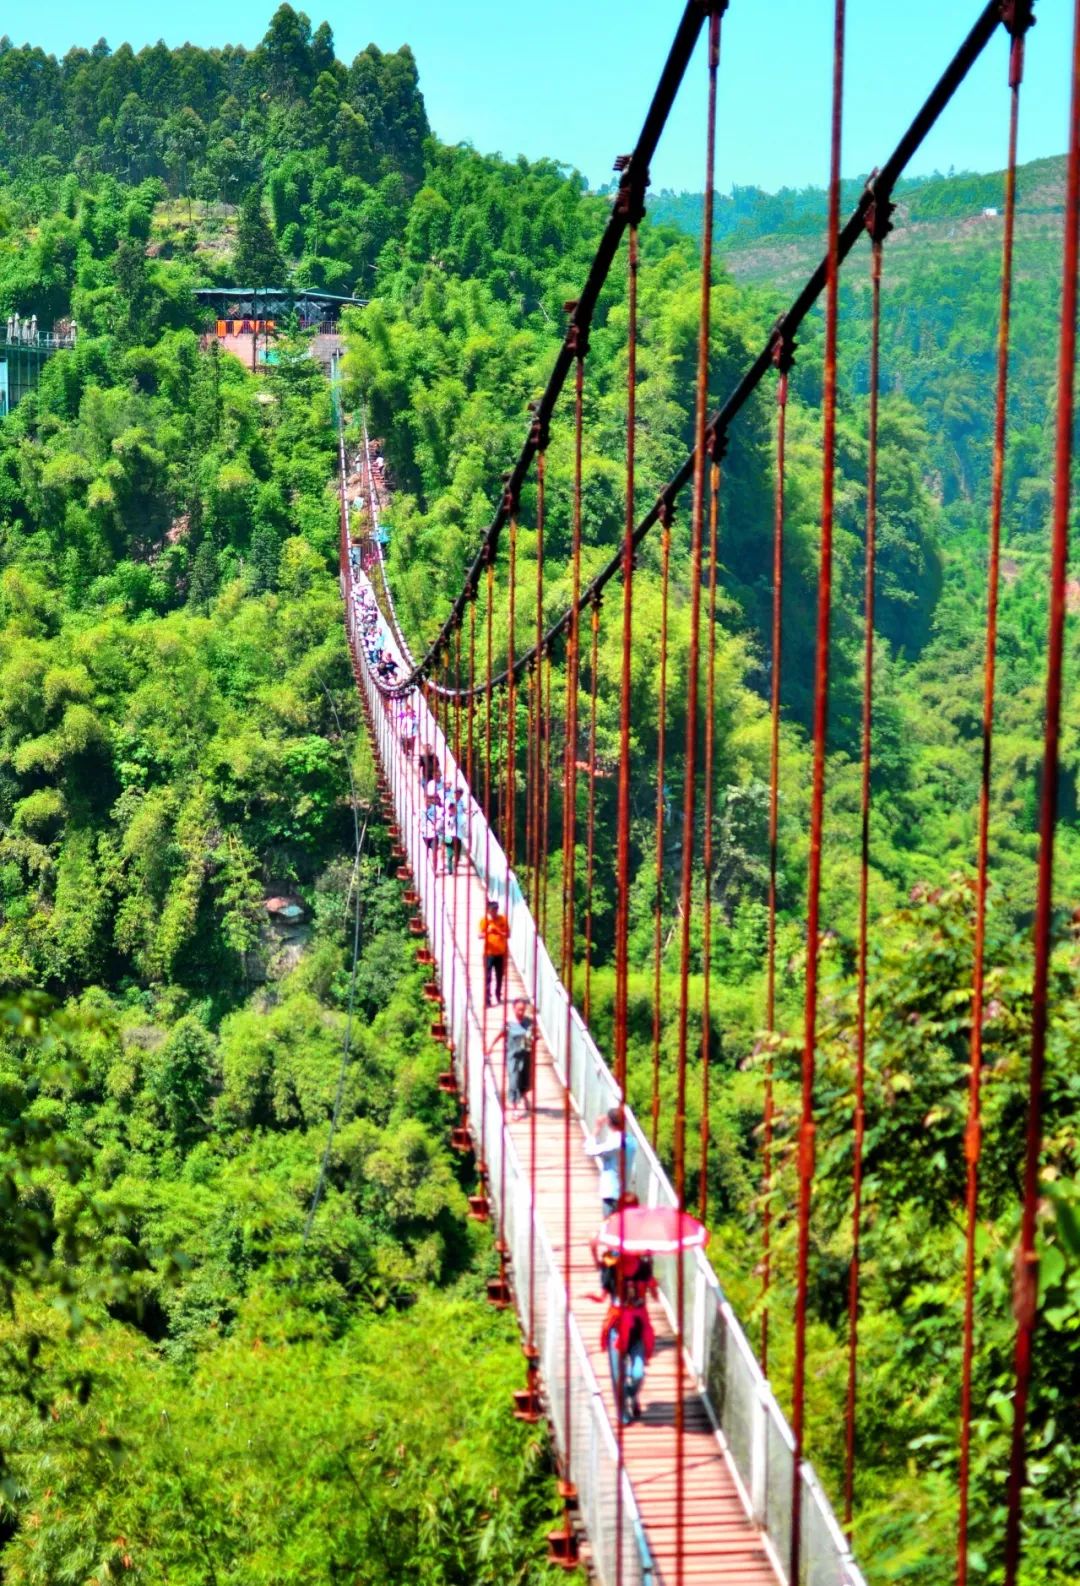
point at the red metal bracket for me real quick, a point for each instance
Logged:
(716, 443)
(563, 1549)
(1018, 16)
(783, 347)
(630, 199)
(878, 218)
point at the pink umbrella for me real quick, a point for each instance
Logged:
(654, 1230)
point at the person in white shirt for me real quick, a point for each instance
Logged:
(432, 830)
(449, 833)
(614, 1151)
(461, 818)
(407, 729)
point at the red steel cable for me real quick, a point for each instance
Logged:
(707, 840)
(460, 859)
(878, 222)
(1026, 1280)
(622, 829)
(468, 945)
(508, 848)
(534, 859)
(498, 788)
(690, 769)
(545, 794)
(441, 843)
(722, 418)
(622, 832)
(590, 842)
(457, 696)
(569, 852)
(1021, 20)
(482, 1167)
(805, 1156)
(509, 834)
(488, 811)
(661, 732)
(782, 353)
(535, 747)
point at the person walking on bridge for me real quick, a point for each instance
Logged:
(461, 823)
(614, 1152)
(429, 765)
(432, 831)
(407, 728)
(449, 831)
(627, 1334)
(519, 1034)
(495, 931)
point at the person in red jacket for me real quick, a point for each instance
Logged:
(627, 1333)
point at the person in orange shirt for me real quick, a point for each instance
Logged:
(495, 930)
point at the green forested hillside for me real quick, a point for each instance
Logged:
(447, 363)
(195, 1385)
(204, 1377)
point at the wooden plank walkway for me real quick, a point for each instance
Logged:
(720, 1543)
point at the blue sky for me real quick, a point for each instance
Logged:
(572, 79)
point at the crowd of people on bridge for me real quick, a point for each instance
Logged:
(373, 635)
(626, 1277)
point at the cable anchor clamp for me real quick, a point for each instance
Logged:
(1017, 16)
(716, 443)
(630, 198)
(878, 217)
(783, 346)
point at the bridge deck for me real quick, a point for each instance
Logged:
(720, 1542)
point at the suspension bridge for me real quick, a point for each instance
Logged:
(713, 1484)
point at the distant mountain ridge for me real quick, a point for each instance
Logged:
(747, 214)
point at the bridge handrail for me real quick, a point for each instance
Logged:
(755, 1436)
(593, 1465)
(373, 511)
(42, 342)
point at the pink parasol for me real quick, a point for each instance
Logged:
(653, 1230)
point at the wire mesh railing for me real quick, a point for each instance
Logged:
(593, 1464)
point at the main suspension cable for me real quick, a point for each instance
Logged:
(721, 419)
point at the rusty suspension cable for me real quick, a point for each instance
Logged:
(707, 838)
(878, 226)
(805, 1152)
(1021, 20)
(658, 901)
(721, 419)
(1026, 1280)
(784, 355)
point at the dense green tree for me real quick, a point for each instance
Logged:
(257, 261)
